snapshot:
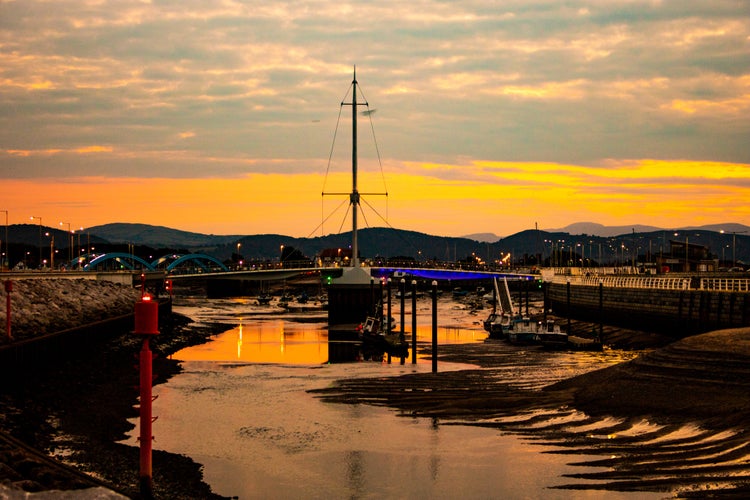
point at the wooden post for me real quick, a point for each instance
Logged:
(402, 287)
(434, 327)
(388, 319)
(414, 322)
(601, 311)
(567, 290)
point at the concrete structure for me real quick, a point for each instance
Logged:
(675, 306)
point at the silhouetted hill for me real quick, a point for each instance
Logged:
(158, 236)
(529, 247)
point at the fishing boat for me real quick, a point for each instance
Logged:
(377, 339)
(523, 331)
(498, 322)
(551, 336)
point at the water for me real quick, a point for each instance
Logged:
(241, 408)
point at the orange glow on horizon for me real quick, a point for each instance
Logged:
(440, 199)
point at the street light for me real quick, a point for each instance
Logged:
(40, 237)
(3, 257)
(70, 242)
(51, 250)
(734, 246)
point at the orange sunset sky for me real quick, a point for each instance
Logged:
(219, 117)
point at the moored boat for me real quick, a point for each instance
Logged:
(551, 336)
(523, 331)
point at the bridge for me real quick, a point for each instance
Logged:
(131, 262)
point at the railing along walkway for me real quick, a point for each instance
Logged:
(657, 283)
(626, 282)
(726, 284)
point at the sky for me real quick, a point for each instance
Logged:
(225, 117)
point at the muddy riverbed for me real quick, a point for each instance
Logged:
(672, 422)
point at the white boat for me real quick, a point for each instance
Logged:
(499, 321)
(551, 336)
(523, 331)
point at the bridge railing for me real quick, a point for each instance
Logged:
(650, 282)
(726, 284)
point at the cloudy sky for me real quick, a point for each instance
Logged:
(489, 116)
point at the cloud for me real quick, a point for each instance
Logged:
(213, 89)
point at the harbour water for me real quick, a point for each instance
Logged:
(242, 409)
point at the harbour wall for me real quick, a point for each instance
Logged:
(674, 312)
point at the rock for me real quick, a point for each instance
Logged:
(42, 306)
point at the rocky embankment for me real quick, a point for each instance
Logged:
(42, 306)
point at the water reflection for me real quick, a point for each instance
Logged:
(263, 435)
(290, 342)
(266, 341)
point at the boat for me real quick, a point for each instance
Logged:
(523, 331)
(377, 340)
(551, 336)
(498, 322)
(264, 299)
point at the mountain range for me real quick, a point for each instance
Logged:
(596, 229)
(594, 241)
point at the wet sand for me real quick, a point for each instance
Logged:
(676, 419)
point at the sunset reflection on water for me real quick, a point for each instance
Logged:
(280, 341)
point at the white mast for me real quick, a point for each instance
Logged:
(354, 197)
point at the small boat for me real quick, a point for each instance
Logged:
(498, 322)
(376, 340)
(497, 325)
(551, 336)
(523, 331)
(264, 299)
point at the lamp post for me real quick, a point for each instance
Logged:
(5, 256)
(70, 242)
(51, 250)
(40, 237)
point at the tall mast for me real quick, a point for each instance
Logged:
(354, 196)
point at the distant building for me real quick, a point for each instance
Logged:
(685, 257)
(328, 255)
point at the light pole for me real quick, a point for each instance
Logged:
(40, 237)
(70, 242)
(51, 250)
(4, 257)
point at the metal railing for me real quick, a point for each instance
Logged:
(656, 283)
(726, 284)
(626, 281)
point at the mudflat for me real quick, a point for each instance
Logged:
(674, 419)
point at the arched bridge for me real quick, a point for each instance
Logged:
(131, 262)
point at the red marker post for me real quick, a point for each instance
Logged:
(146, 325)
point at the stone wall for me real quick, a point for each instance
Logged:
(674, 312)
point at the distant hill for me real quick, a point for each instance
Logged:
(483, 237)
(595, 229)
(158, 236)
(526, 247)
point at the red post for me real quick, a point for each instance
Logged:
(8, 289)
(146, 325)
(146, 436)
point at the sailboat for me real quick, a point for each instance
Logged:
(498, 323)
